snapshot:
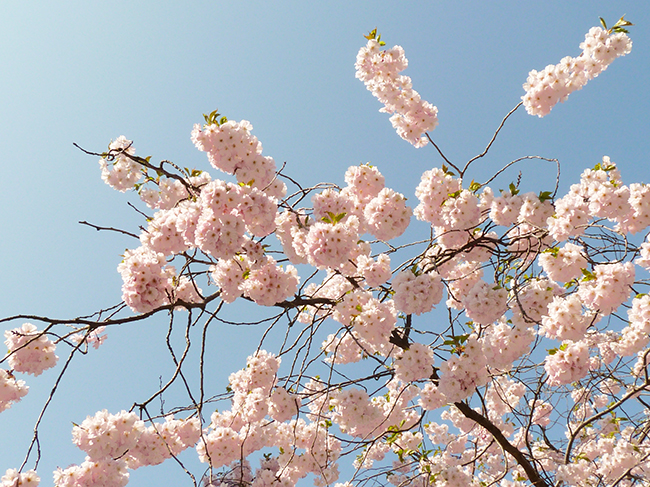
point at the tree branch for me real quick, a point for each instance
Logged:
(521, 459)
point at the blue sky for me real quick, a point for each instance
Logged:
(87, 72)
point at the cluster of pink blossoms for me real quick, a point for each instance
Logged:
(563, 264)
(485, 303)
(115, 443)
(118, 170)
(11, 389)
(544, 89)
(31, 351)
(635, 336)
(232, 149)
(433, 190)
(216, 222)
(264, 282)
(415, 363)
(417, 294)
(379, 70)
(14, 479)
(601, 194)
(569, 363)
(609, 287)
(359, 415)
(565, 319)
(147, 283)
(305, 447)
(462, 374)
(369, 321)
(170, 192)
(332, 240)
(213, 216)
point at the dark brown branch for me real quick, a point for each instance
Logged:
(402, 341)
(119, 321)
(441, 154)
(300, 301)
(98, 228)
(496, 433)
(494, 137)
(160, 170)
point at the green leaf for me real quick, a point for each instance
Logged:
(601, 167)
(545, 195)
(554, 251)
(372, 34)
(552, 351)
(212, 118)
(446, 170)
(602, 22)
(513, 189)
(334, 219)
(588, 275)
(618, 26)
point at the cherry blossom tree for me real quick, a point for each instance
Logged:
(532, 371)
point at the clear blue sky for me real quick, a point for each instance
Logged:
(86, 72)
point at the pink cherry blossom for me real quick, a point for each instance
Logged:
(31, 351)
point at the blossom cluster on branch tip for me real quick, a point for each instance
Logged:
(544, 89)
(119, 170)
(379, 70)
